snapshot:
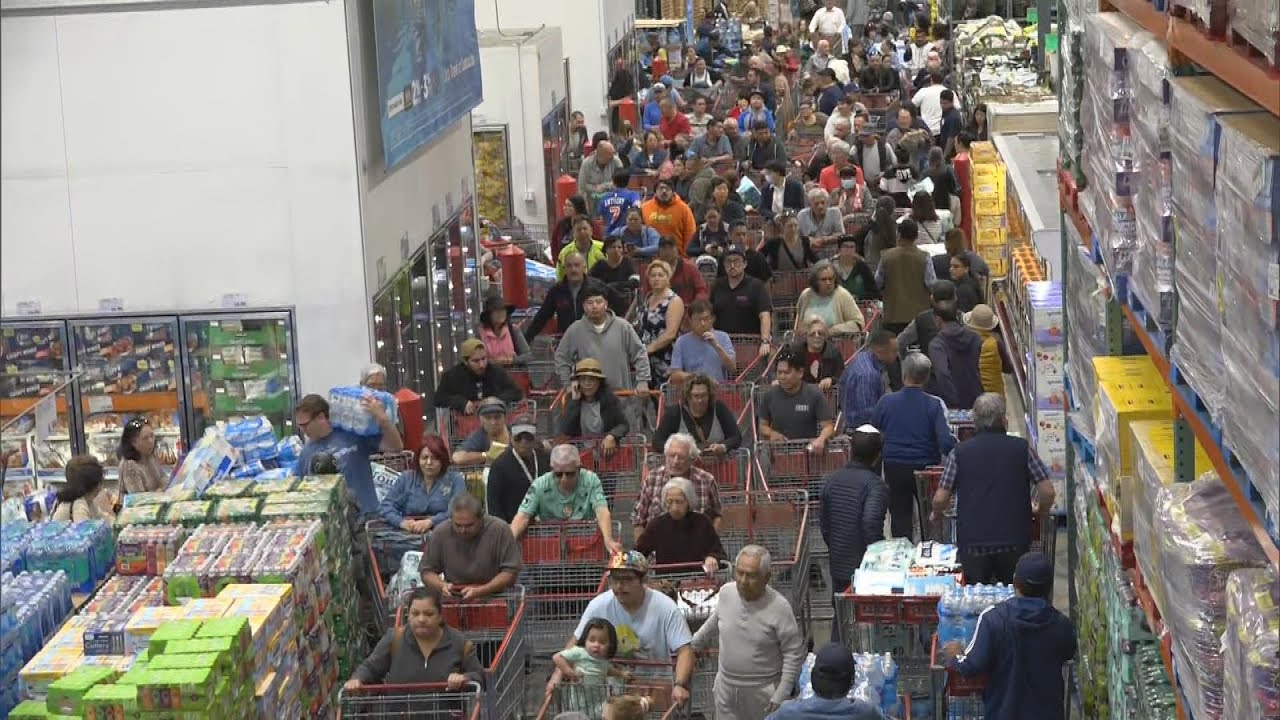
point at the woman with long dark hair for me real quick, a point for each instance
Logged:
(574, 207)
(978, 122)
(882, 233)
(139, 469)
(925, 213)
(83, 497)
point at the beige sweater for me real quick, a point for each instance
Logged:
(848, 315)
(96, 506)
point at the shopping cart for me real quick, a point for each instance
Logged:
(784, 318)
(397, 461)
(731, 470)
(454, 426)
(800, 148)
(563, 557)
(778, 521)
(619, 470)
(433, 701)
(785, 289)
(848, 342)
(746, 350)
(496, 626)
(954, 694)
(653, 681)
(553, 617)
(385, 546)
(902, 625)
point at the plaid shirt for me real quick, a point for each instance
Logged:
(1035, 466)
(649, 504)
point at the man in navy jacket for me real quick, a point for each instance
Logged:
(851, 514)
(1021, 645)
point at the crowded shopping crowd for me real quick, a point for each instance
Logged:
(765, 254)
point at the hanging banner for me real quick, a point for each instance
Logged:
(428, 60)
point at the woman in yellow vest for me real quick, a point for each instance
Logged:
(993, 361)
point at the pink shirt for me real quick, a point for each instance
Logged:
(498, 345)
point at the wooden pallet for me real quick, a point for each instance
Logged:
(1213, 26)
(1267, 58)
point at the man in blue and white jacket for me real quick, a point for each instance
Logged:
(1021, 645)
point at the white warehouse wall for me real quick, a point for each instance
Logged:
(522, 80)
(589, 28)
(168, 157)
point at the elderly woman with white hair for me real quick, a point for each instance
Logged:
(683, 534)
(820, 222)
(374, 377)
(826, 300)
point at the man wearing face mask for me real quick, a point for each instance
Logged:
(670, 216)
(780, 192)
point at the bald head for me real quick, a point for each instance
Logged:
(604, 153)
(824, 47)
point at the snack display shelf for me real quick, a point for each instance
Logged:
(1221, 59)
(1187, 408)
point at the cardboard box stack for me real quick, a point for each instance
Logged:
(990, 219)
(1108, 156)
(1130, 389)
(1197, 106)
(1247, 195)
(1153, 258)
(1047, 380)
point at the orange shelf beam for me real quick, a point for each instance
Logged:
(1073, 215)
(1227, 63)
(1155, 352)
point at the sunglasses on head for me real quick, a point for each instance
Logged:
(138, 422)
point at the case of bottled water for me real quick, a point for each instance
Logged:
(346, 409)
(959, 608)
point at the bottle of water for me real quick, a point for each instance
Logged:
(944, 617)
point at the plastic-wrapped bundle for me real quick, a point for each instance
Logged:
(1071, 91)
(1108, 155)
(1257, 22)
(1210, 13)
(1195, 105)
(1153, 259)
(1086, 298)
(1248, 195)
(1251, 646)
(1204, 538)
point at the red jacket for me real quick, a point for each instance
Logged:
(677, 124)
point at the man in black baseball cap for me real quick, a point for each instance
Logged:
(832, 677)
(1021, 645)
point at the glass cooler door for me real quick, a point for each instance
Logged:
(131, 367)
(239, 365)
(33, 364)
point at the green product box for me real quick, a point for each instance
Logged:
(111, 701)
(193, 689)
(273, 487)
(171, 631)
(137, 675)
(231, 627)
(237, 509)
(189, 661)
(66, 694)
(30, 710)
(223, 645)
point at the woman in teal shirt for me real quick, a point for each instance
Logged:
(424, 493)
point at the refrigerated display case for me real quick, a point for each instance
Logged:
(237, 366)
(34, 364)
(392, 330)
(555, 135)
(129, 367)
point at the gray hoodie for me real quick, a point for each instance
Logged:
(617, 347)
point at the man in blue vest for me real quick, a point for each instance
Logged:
(991, 475)
(1021, 645)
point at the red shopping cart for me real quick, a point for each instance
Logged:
(563, 556)
(455, 426)
(652, 681)
(432, 701)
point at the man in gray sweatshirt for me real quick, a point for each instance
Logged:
(761, 648)
(601, 335)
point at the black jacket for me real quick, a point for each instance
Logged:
(669, 425)
(757, 267)
(830, 362)
(792, 197)
(955, 352)
(762, 156)
(851, 511)
(561, 303)
(611, 415)
(508, 484)
(618, 282)
(458, 386)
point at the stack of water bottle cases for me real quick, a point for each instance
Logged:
(958, 612)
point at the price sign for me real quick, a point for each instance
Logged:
(100, 403)
(111, 304)
(28, 307)
(235, 300)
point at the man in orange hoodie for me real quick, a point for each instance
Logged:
(666, 213)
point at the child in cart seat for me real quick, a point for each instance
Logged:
(590, 664)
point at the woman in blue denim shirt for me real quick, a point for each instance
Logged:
(424, 493)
